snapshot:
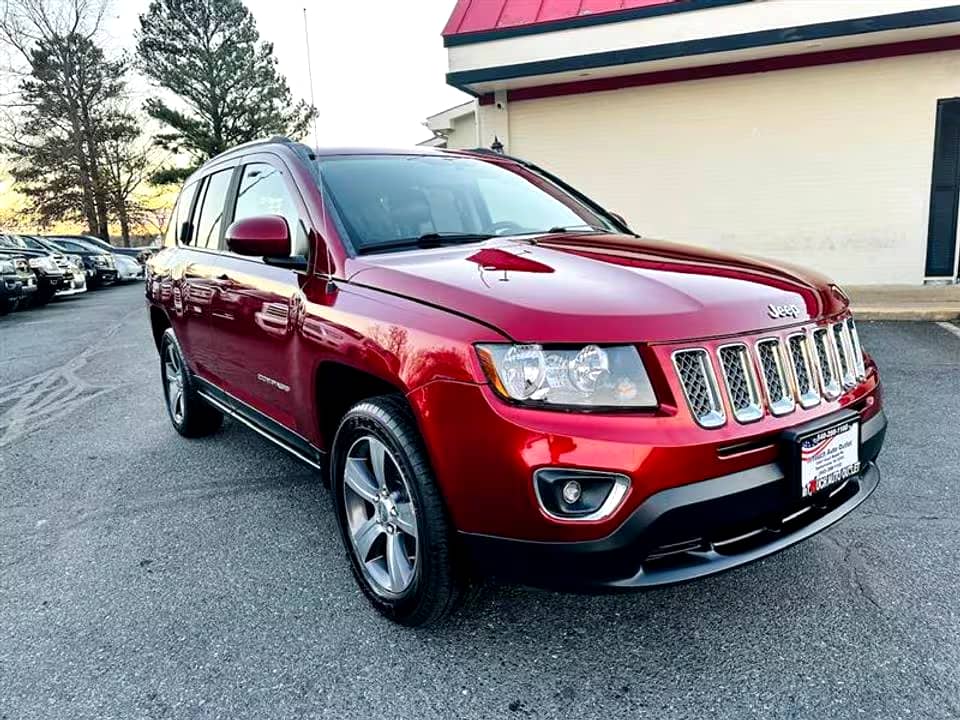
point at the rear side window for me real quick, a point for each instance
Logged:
(210, 216)
(180, 215)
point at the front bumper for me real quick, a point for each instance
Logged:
(19, 286)
(129, 275)
(686, 532)
(104, 276)
(74, 284)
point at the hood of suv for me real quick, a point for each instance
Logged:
(603, 288)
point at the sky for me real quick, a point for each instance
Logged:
(379, 65)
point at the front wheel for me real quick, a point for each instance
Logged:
(391, 515)
(43, 297)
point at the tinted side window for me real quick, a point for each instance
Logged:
(210, 217)
(263, 192)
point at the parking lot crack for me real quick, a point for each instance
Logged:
(42, 399)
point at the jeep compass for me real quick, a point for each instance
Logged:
(496, 376)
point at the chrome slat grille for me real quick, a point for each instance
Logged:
(808, 393)
(803, 368)
(826, 363)
(738, 376)
(775, 382)
(700, 387)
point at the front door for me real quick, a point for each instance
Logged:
(944, 193)
(253, 321)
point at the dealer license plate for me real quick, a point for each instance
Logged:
(829, 456)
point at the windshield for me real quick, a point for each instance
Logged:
(74, 246)
(94, 241)
(12, 241)
(394, 200)
(35, 244)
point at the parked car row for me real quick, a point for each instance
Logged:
(35, 270)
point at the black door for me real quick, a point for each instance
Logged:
(945, 191)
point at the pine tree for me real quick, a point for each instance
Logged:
(56, 154)
(209, 54)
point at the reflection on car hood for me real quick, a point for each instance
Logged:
(602, 288)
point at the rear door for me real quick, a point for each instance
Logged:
(203, 273)
(254, 319)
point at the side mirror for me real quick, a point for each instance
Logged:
(266, 236)
(619, 218)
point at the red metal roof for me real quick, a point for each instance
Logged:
(471, 16)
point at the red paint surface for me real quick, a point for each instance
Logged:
(470, 16)
(260, 236)
(412, 318)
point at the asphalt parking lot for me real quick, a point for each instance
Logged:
(145, 576)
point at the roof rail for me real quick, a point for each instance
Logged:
(276, 139)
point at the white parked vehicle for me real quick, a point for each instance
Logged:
(127, 268)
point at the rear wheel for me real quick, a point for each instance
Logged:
(190, 414)
(391, 516)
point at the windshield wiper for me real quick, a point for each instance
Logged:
(576, 228)
(428, 240)
(558, 229)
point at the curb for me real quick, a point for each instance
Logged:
(932, 314)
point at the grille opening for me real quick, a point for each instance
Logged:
(825, 364)
(700, 386)
(858, 363)
(741, 448)
(842, 344)
(741, 385)
(774, 377)
(807, 391)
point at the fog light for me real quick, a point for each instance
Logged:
(568, 494)
(571, 492)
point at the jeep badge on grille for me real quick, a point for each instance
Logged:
(783, 311)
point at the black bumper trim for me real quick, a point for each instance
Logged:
(738, 518)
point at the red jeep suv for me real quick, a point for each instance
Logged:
(498, 377)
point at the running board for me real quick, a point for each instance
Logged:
(268, 428)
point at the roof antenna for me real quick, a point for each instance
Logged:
(313, 103)
(331, 283)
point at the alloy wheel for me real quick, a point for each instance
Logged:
(381, 519)
(173, 381)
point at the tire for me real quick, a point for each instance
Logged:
(190, 414)
(43, 297)
(434, 582)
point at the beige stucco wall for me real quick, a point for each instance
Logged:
(828, 167)
(464, 133)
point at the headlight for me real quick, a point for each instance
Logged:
(43, 263)
(7, 266)
(76, 260)
(587, 377)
